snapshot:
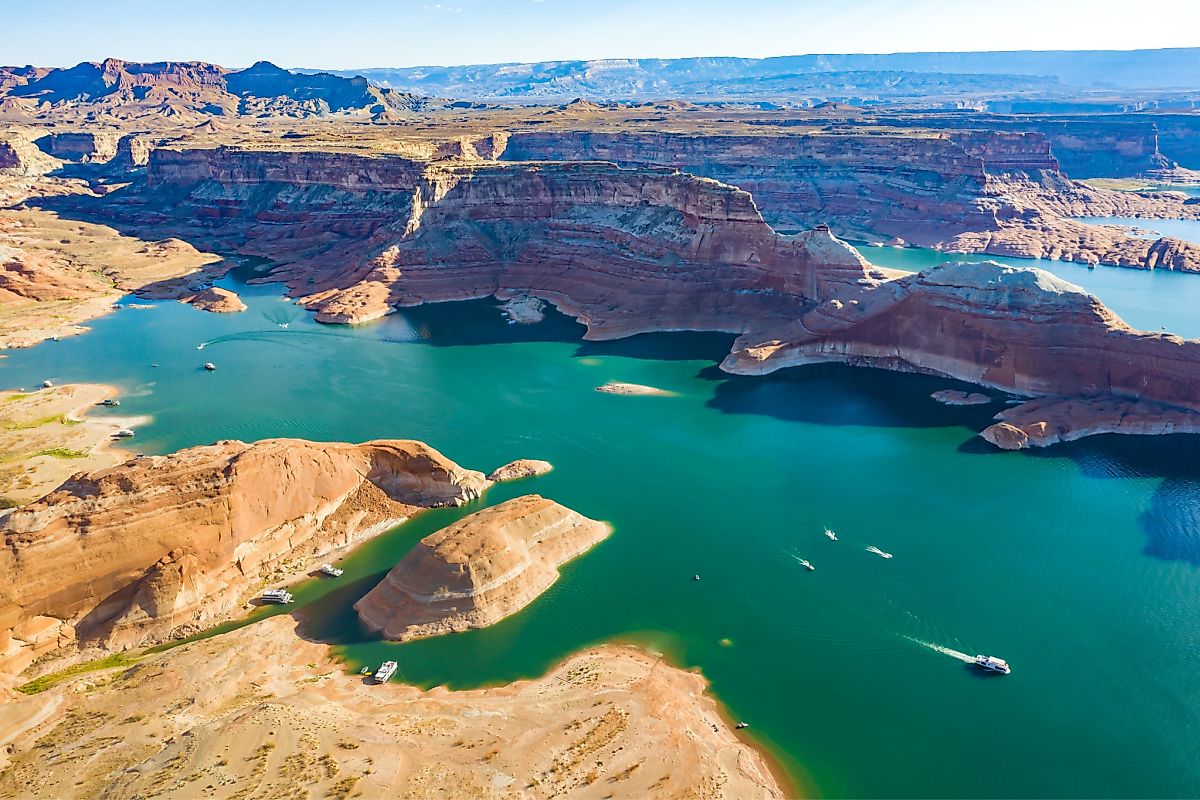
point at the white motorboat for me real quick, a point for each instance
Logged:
(873, 549)
(806, 565)
(993, 664)
(208, 365)
(279, 596)
(386, 670)
(832, 536)
(331, 571)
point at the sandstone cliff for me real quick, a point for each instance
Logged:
(479, 570)
(975, 191)
(165, 543)
(626, 251)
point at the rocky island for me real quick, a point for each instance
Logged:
(479, 570)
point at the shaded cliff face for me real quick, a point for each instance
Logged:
(479, 570)
(164, 543)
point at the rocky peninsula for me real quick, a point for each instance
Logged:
(163, 545)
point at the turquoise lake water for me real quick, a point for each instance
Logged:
(1080, 564)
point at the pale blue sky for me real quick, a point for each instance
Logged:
(386, 33)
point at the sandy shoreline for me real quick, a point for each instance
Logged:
(267, 711)
(47, 435)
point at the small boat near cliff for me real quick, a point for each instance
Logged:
(386, 670)
(873, 549)
(277, 596)
(124, 433)
(993, 664)
(331, 571)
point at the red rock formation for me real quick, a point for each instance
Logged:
(166, 543)
(988, 324)
(215, 299)
(635, 250)
(970, 191)
(479, 570)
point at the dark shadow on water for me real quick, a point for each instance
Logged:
(1172, 521)
(671, 346)
(836, 394)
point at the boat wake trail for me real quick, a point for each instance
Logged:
(943, 650)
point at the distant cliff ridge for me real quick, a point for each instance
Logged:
(892, 74)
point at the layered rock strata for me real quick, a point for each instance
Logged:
(162, 544)
(479, 570)
(628, 251)
(963, 191)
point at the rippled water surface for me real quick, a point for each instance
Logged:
(1079, 565)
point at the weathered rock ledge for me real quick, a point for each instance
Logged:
(1049, 420)
(479, 570)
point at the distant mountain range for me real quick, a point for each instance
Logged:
(126, 90)
(826, 77)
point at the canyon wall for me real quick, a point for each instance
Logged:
(161, 545)
(625, 250)
(961, 191)
(632, 250)
(864, 185)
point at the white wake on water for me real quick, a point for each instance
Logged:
(943, 650)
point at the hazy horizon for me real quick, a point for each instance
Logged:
(375, 34)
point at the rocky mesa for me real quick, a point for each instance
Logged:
(479, 570)
(165, 544)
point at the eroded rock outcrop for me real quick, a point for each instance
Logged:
(215, 299)
(967, 191)
(1049, 420)
(164, 543)
(986, 323)
(479, 570)
(521, 468)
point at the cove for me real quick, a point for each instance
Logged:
(1078, 564)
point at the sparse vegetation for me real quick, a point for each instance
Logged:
(54, 678)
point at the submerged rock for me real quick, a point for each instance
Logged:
(479, 570)
(953, 397)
